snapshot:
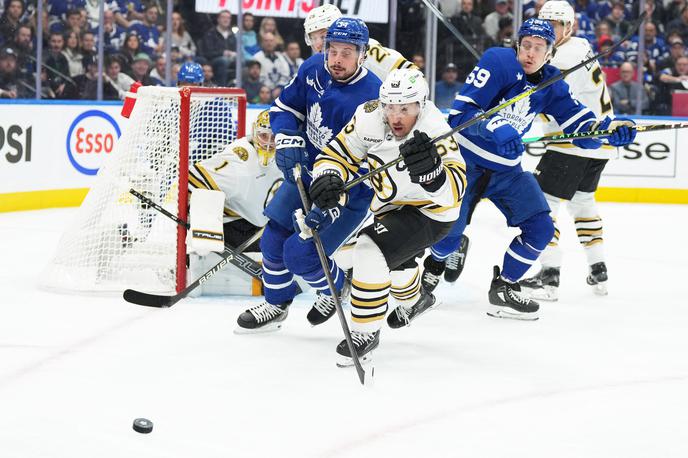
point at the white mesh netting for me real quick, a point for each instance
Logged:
(116, 242)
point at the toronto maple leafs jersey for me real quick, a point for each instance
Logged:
(236, 171)
(381, 60)
(588, 87)
(320, 104)
(368, 139)
(496, 78)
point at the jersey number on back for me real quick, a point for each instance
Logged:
(478, 77)
(605, 101)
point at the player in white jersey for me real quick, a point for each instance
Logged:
(567, 172)
(246, 173)
(379, 60)
(415, 203)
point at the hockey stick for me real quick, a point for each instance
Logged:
(244, 263)
(163, 301)
(330, 283)
(511, 101)
(451, 28)
(602, 133)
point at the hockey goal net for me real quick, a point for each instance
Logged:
(118, 242)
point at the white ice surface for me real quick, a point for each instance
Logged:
(594, 377)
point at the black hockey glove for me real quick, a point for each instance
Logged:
(327, 189)
(422, 161)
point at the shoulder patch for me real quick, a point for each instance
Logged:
(241, 152)
(371, 106)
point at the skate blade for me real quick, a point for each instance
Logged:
(600, 289)
(273, 327)
(500, 312)
(546, 293)
(346, 361)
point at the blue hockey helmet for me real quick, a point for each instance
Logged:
(348, 30)
(190, 72)
(537, 28)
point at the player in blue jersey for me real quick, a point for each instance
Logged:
(310, 111)
(492, 150)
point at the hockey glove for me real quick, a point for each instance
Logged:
(507, 139)
(290, 149)
(623, 130)
(327, 189)
(422, 161)
(315, 219)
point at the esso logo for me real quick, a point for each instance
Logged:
(91, 137)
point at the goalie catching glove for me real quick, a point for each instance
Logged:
(422, 161)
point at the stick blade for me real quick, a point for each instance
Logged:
(149, 300)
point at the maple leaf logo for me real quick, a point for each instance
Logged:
(318, 134)
(518, 114)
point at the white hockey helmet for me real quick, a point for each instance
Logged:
(320, 18)
(404, 85)
(557, 10)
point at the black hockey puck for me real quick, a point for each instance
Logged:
(143, 425)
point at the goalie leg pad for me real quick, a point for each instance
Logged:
(205, 232)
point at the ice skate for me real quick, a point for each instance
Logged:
(364, 344)
(456, 261)
(264, 317)
(544, 285)
(432, 274)
(507, 301)
(598, 278)
(323, 309)
(402, 316)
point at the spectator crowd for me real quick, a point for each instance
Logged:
(134, 47)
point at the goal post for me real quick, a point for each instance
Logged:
(116, 242)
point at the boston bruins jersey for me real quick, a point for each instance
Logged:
(381, 60)
(368, 139)
(588, 87)
(248, 186)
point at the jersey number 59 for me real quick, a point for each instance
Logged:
(478, 77)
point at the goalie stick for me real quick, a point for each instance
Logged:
(232, 255)
(330, 283)
(511, 101)
(602, 133)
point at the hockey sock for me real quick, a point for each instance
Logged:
(317, 280)
(588, 223)
(370, 286)
(552, 255)
(537, 231)
(406, 286)
(278, 282)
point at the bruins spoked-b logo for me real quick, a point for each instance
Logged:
(241, 152)
(384, 186)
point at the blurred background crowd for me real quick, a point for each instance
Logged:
(272, 49)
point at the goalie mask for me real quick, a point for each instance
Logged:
(263, 138)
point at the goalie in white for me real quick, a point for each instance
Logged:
(567, 172)
(415, 203)
(246, 175)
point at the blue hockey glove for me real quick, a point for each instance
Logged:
(422, 161)
(623, 130)
(315, 219)
(507, 139)
(327, 189)
(290, 149)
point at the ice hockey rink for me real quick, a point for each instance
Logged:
(594, 377)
